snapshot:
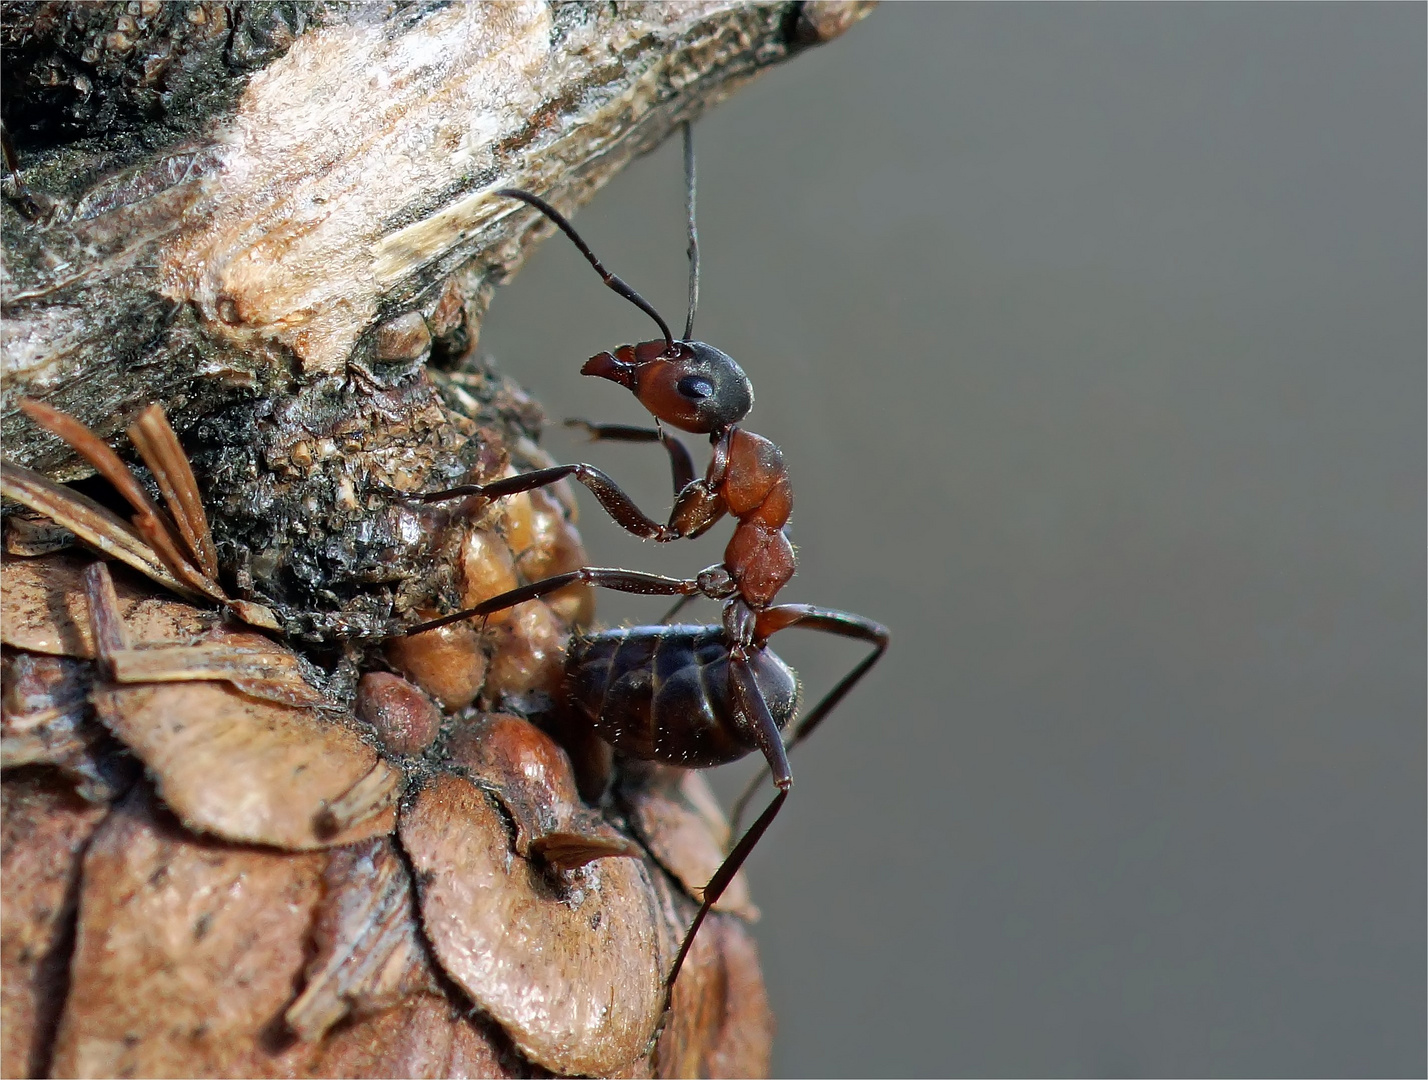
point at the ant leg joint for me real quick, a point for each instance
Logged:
(716, 582)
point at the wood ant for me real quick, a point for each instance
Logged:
(694, 387)
(691, 696)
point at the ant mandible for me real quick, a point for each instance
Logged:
(692, 696)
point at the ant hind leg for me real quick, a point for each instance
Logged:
(828, 621)
(749, 700)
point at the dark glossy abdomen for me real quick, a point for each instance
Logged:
(661, 693)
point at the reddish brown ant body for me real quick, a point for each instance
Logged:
(692, 696)
(697, 388)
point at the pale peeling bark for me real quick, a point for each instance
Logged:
(334, 189)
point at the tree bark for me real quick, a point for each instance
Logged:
(217, 197)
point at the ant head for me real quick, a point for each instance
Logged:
(689, 385)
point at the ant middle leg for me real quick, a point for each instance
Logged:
(617, 504)
(680, 463)
(630, 581)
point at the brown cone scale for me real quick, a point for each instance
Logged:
(184, 950)
(46, 828)
(569, 968)
(241, 768)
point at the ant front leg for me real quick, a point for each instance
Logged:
(680, 463)
(749, 701)
(828, 621)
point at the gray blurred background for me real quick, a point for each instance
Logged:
(1095, 340)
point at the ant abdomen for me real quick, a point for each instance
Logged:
(661, 693)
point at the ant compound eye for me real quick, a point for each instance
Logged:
(695, 387)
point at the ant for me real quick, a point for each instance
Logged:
(691, 696)
(696, 388)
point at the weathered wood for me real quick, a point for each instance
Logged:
(190, 228)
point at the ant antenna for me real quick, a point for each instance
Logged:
(612, 280)
(693, 249)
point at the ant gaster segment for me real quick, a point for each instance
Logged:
(692, 696)
(694, 387)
